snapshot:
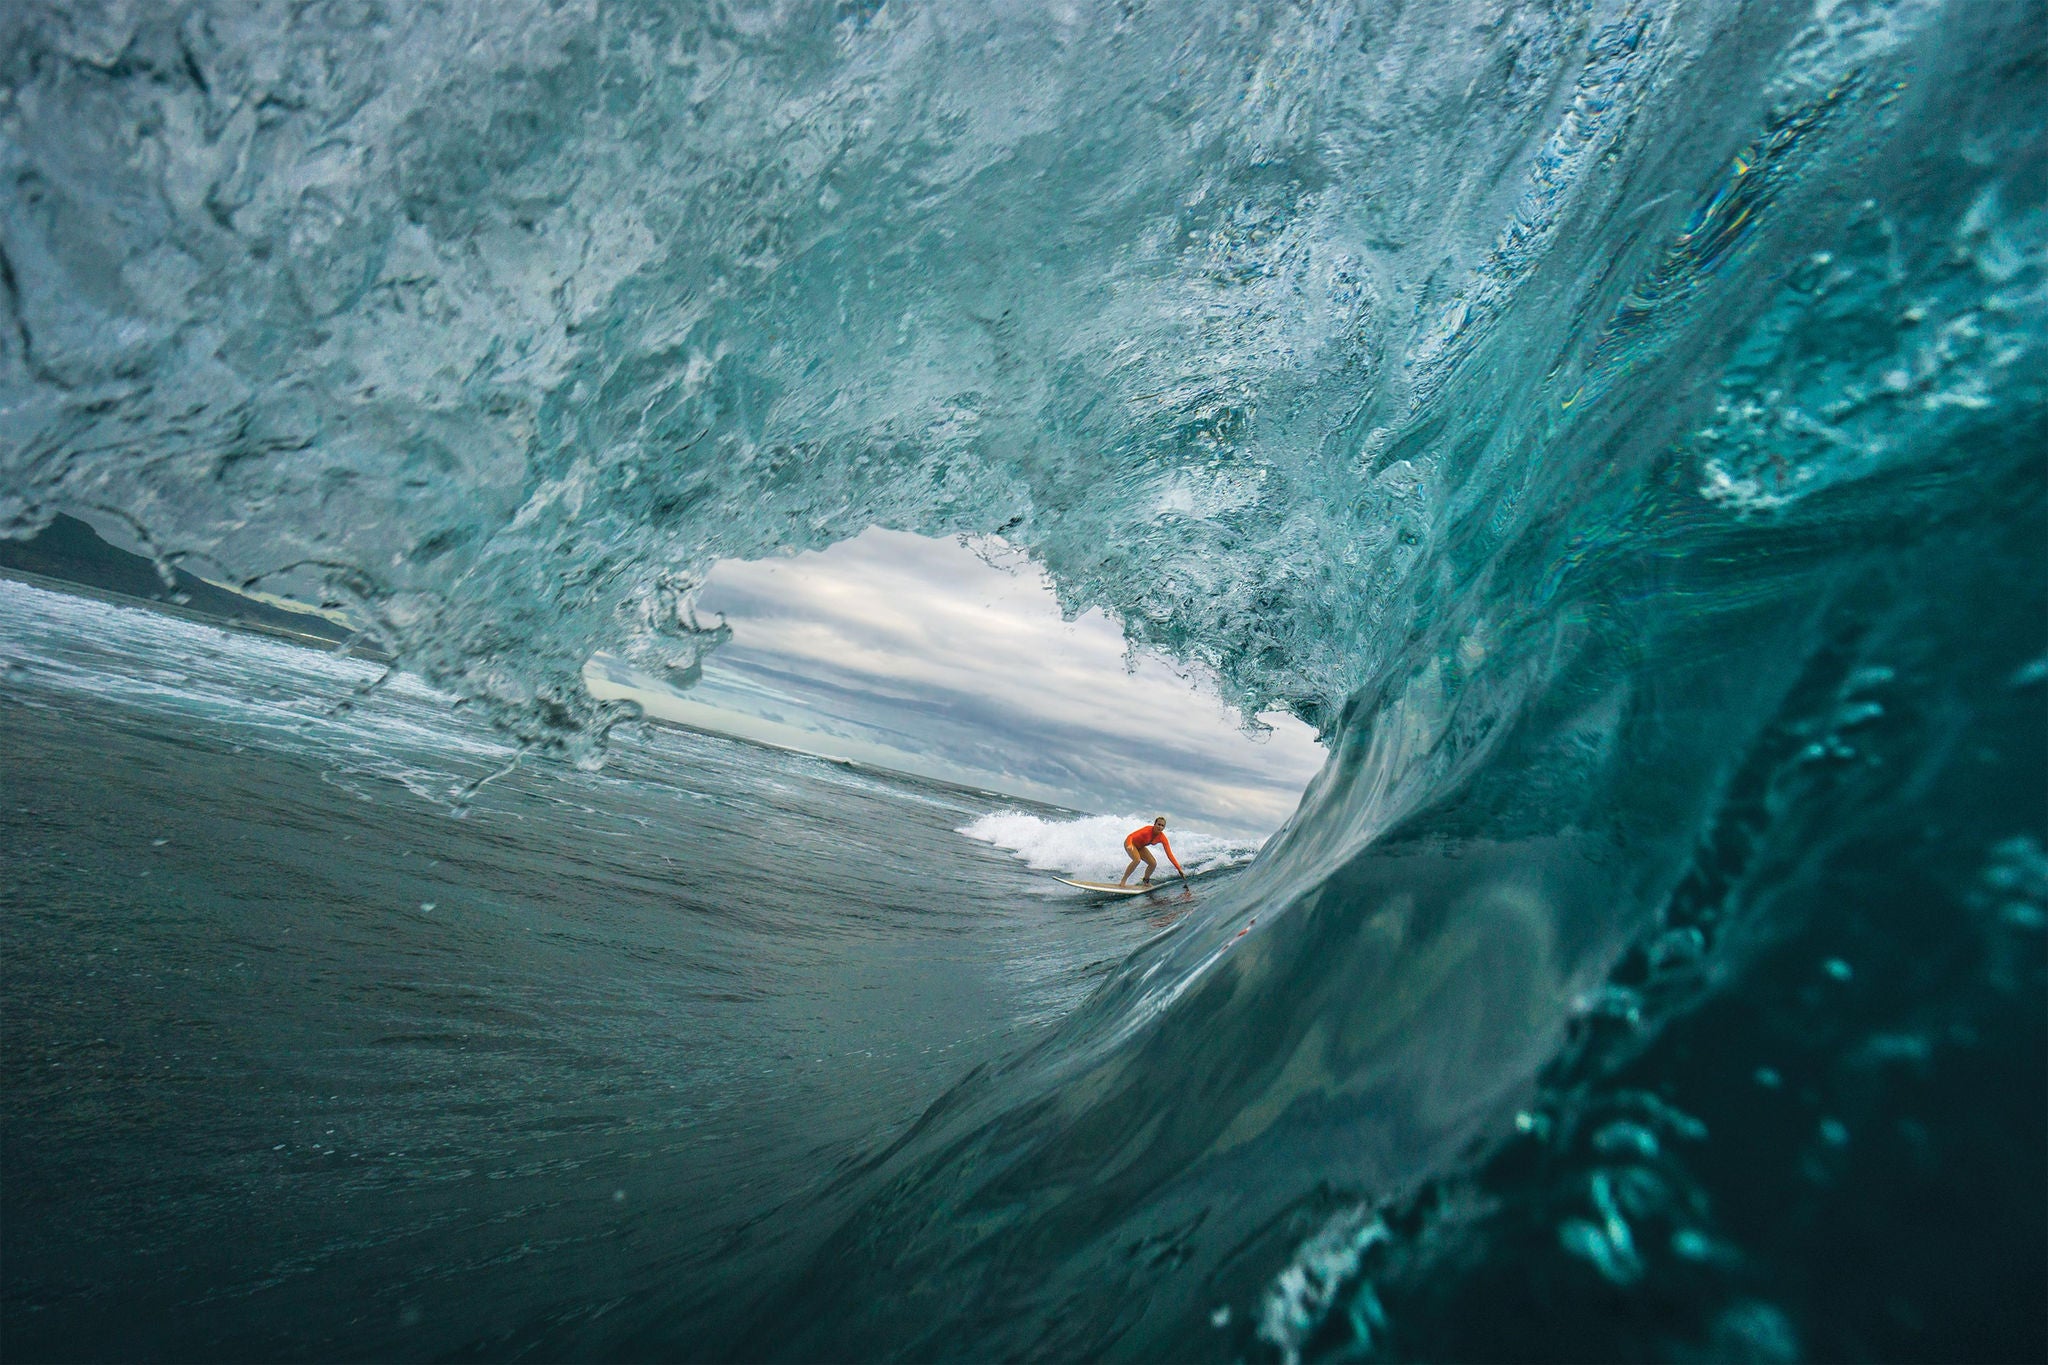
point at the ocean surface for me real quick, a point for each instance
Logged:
(1618, 428)
(304, 1058)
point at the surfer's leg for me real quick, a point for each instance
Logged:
(1130, 866)
(1151, 866)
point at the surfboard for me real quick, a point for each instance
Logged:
(1112, 889)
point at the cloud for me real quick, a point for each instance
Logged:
(923, 652)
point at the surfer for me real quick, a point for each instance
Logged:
(1136, 844)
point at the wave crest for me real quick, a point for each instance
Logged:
(1090, 847)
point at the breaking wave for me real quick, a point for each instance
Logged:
(1090, 846)
(1617, 427)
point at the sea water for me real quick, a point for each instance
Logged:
(1616, 427)
(314, 1045)
(333, 1030)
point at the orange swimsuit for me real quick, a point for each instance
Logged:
(1150, 834)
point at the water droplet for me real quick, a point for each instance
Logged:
(1691, 1245)
(2020, 915)
(1617, 1264)
(1625, 1139)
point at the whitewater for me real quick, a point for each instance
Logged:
(1617, 427)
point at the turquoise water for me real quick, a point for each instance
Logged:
(1616, 427)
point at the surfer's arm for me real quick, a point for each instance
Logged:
(1170, 858)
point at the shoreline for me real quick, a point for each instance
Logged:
(351, 648)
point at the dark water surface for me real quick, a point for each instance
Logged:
(299, 1063)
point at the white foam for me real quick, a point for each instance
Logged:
(1092, 846)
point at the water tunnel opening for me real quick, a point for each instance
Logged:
(950, 658)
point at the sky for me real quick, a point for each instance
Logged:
(951, 660)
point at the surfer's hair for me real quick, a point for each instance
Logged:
(1158, 819)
